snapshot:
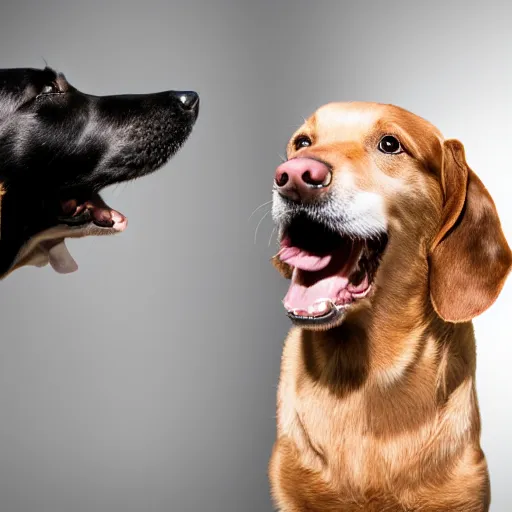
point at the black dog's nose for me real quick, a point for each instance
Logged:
(189, 99)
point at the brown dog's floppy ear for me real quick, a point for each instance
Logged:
(470, 258)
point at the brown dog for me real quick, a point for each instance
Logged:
(392, 245)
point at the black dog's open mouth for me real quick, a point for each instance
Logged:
(73, 215)
(78, 212)
(331, 271)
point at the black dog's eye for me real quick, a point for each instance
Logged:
(390, 144)
(52, 88)
(302, 141)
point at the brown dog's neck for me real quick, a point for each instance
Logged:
(433, 363)
(387, 344)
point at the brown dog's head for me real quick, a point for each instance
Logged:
(371, 194)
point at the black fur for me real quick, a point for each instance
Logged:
(58, 143)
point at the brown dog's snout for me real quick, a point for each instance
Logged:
(303, 179)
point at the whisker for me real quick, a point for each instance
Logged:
(271, 235)
(283, 159)
(260, 206)
(126, 184)
(115, 189)
(257, 227)
(119, 188)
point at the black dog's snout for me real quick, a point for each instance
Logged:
(189, 99)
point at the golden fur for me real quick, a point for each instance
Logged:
(380, 414)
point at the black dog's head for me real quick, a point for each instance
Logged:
(59, 147)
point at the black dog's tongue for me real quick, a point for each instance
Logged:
(59, 257)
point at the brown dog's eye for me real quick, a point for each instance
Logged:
(302, 141)
(390, 144)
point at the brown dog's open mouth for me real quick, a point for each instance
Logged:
(330, 271)
(78, 212)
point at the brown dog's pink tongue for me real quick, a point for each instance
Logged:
(304, 260)
(308, 288)
(304, 294)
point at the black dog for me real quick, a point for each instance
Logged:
(59, 147)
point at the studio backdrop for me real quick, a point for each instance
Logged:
(146, 381)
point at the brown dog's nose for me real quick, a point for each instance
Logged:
(303, 179)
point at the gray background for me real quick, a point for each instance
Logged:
(146, 381)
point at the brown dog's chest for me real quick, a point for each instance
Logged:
(335, 439)
(373, 452)
(342, 467)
